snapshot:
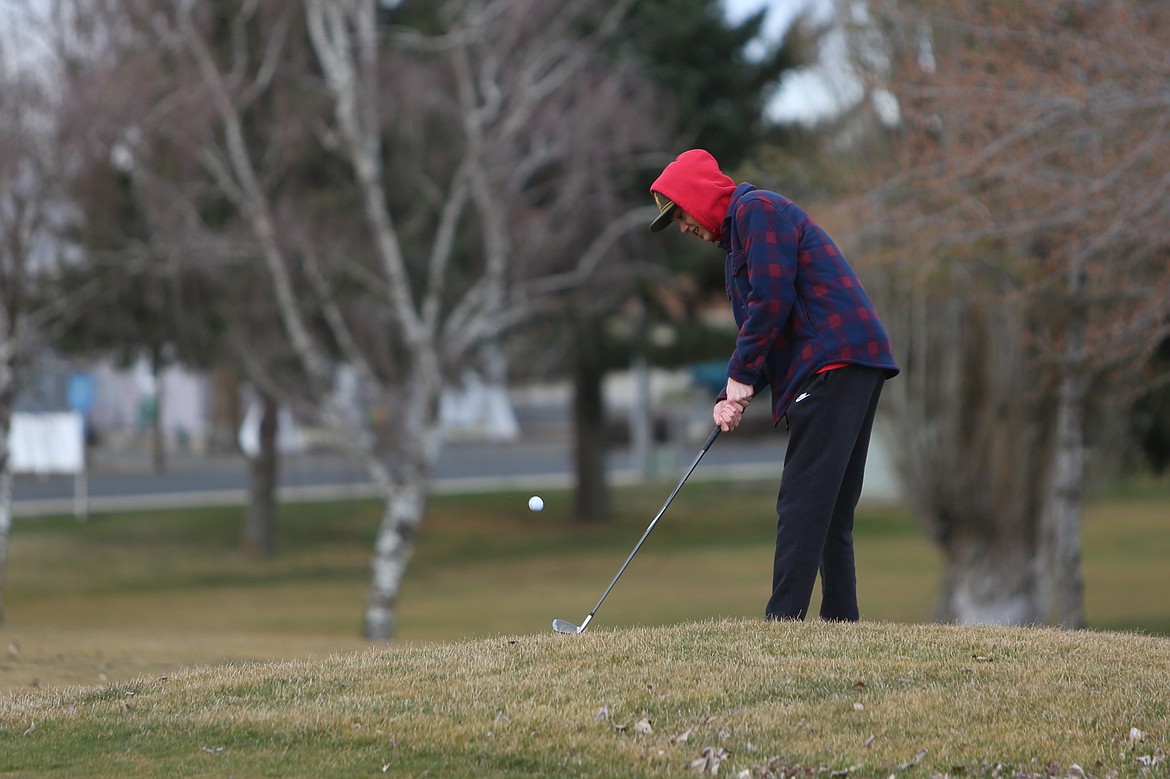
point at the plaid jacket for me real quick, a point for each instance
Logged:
(798, 303)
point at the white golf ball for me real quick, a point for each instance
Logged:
(536, 503)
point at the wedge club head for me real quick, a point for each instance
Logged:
(561, 626)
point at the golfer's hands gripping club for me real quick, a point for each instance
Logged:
(728, 413)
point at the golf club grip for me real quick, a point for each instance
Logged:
(711, 438)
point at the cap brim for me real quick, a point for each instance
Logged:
(663, 220)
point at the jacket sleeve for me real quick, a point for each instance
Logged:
(770, 245)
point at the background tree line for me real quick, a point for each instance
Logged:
(292, 188)
(409, 190)
(1018, 207)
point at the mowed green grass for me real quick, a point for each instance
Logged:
(148, 593)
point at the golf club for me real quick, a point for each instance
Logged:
(563, 626)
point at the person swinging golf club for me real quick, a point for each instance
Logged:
(809, 333)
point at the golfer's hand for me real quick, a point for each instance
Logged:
(727, 414)
(739, 393)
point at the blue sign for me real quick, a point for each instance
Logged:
(81, 391)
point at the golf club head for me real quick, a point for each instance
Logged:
(561, 626)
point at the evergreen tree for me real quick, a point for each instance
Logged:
(718, 76)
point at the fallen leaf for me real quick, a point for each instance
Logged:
(31, 728)
(212, 750)
(709, 760)
(502, 719)
(602, 714)
(643, 726)
(1136, 735)
(858, 706)
(869, 741)
(859, 686)
(981, 659)
(918, 757)
(681, 738)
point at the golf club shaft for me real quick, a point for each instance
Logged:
(661, 511)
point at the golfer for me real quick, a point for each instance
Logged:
(807, 331)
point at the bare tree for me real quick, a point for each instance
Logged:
(396, 190)
(32, 215)
(1023, 211)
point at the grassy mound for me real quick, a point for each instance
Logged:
(737, 697)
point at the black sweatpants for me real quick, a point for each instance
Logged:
(830, 420)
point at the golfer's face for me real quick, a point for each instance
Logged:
(687, 224)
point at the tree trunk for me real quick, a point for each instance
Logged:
(5, 517)
(592, 498)
(972, 422)
(641, 421)
(7, 402)
(1064, 505)
(393, 550)
(158, 443)
(1064, 501)
(988, 581)
(226, 416)
(260, 521)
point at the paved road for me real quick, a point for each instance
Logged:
(127, 482)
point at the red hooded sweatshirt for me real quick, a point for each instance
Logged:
(798, 304)
(696, 185)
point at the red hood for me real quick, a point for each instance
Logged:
(696, 185)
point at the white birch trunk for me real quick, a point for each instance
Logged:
(1064, 505)
(5, 517)
(344, 37)
(393, 549)
(12, 255)
(1061, 522)
(7, 402)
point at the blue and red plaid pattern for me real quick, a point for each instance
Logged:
(798, 303)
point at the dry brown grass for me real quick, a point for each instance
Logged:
(875, 699)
